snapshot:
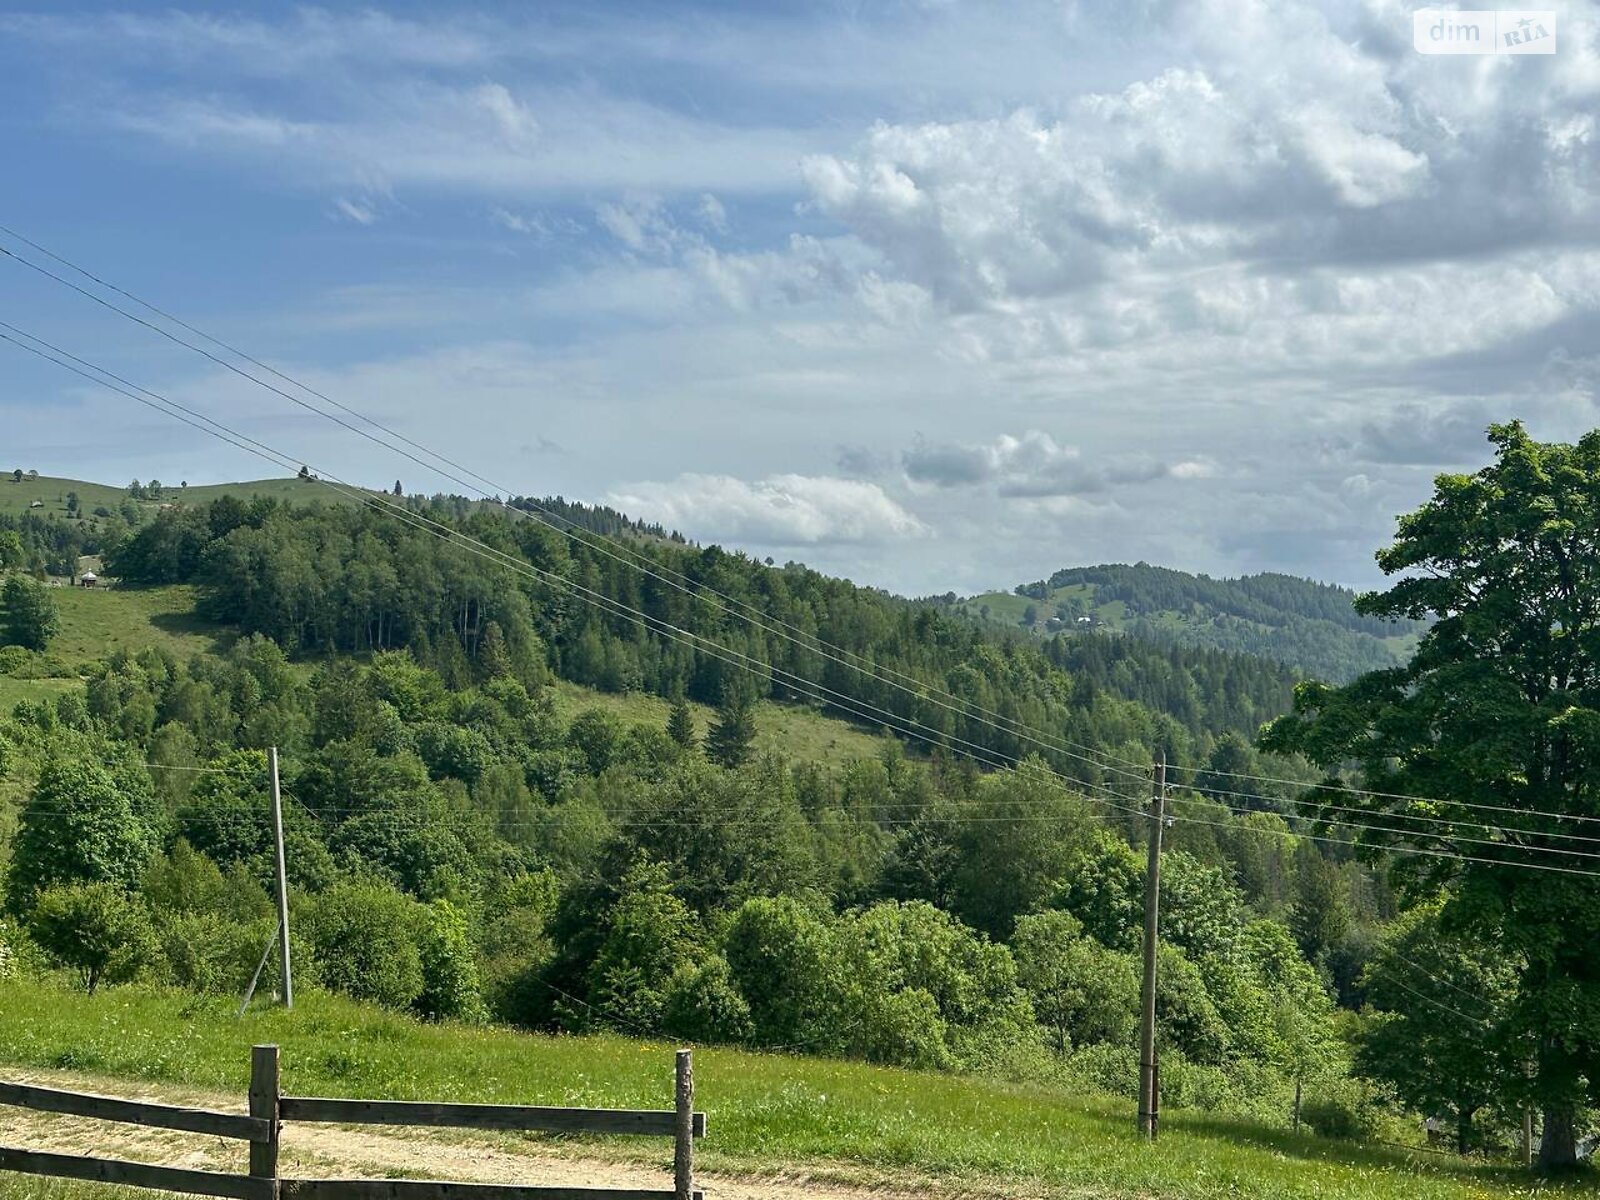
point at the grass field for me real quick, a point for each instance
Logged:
(800, 733)
(17, 498)
(98, 621)
(769, 1114)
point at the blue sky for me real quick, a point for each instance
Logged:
(938, 295)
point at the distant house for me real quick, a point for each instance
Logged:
(88, 579)
(36, 504)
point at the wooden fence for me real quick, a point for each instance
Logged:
(268, 1109)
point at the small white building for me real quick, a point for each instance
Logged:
(88, 579)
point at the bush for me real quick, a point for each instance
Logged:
(703, 1005)
(96, 929)
(207, 952)
(364, 942)
(1342, 1108)
(450, 987)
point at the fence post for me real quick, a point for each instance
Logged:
(683, 1130)
(264, 1104)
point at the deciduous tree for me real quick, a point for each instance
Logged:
(1499, 706)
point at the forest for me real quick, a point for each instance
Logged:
(968, 898)
(1313, 628)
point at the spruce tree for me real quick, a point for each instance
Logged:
(680, 725)
(730, 739)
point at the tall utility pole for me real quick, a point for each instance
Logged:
(283, 879)
(1148, 1098)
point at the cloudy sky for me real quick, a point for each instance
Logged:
(939, 295)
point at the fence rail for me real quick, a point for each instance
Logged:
(136, 1112)
(269, 1109)
(651, 1122)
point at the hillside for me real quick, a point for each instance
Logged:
(779, 1125)
(528, 781)
(102, 621)
(1310, 627)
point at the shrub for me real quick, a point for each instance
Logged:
(364, 942)
(450, 987)
(1342, 1109)
(207, 952)
(703, 1005)
(96, 929)
(903, 1028)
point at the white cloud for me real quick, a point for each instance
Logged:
(362, 212)
(781, 510)
(1035, 466)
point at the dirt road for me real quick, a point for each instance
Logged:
(330, 1151)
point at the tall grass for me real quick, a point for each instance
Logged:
(767, 1112)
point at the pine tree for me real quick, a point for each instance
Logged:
(729, 742)
(398, 491)
(680, 725)
(494, 660)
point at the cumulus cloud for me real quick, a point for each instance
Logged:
(781, 510)
(1035, 466)
(1285, 140)
(1258, 267)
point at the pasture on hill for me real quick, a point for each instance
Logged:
(771, 1115)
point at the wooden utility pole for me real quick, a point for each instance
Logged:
(283, 880)
(1148, 1099)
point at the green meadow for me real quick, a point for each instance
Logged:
(769, 1113)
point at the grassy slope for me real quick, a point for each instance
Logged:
(801, 733)
(1007, 608)
(98, 621)
(15, 498)
(767, 1112)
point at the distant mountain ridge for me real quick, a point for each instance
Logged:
(1308, 626)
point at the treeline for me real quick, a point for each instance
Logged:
(1311, 628)
(1268, 598)
(320, 580)
(480, 851)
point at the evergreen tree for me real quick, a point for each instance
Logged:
(680, 725)
(730, 739)
(494, 660)
(1320, 915)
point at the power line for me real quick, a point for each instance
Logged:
(1416, 833)
(918, 688)
(714, 650)
(1439, 1004)
(1099, 758)
(1453, 822)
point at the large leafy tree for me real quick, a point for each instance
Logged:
(78, 826)
(30, 617)
(1438, 1038)
(1499, 706)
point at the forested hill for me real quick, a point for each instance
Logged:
(338, 578)
(1310, 627)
